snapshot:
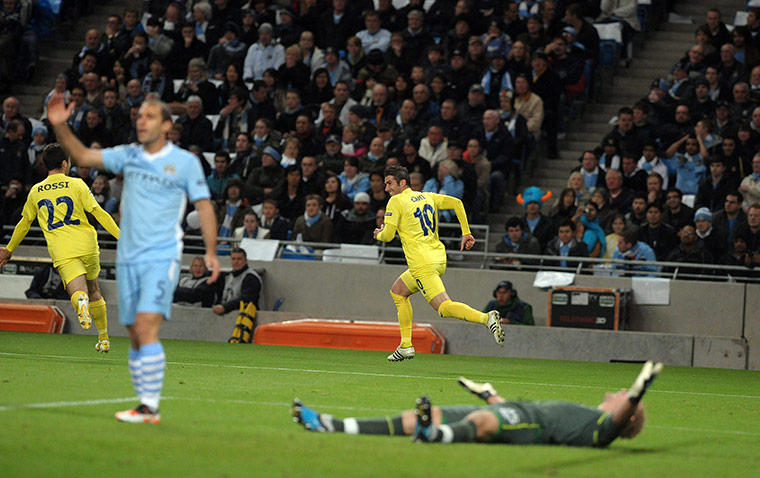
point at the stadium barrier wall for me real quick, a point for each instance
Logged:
(711, 314)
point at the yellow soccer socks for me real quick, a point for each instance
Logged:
(98, 311)
(404, 308)
(458, 310)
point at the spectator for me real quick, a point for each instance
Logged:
(433, 146)
(576, 182)
(137, 59)
(355, 226)
(264, 179)
(14, 161)
(229, 50)
(620, 197)
(355, 57)
(101, 191)
(251, 228)
(378, 198)
(39, 141)
(691, 251)
(649, 162)
(263, 54)
(565, 244)
(337, 24)
(690, 165)
(332, 160)
(264, 135)
(659, 236)
(677, 214)
(161, 45)
(245, 159)
(511, 309)
(564, 207)
(548, 86)
(373, 36)
(604, 212)
(517, 240)
(313, 225)
(714, 244)
(334, 201)
(497, 79)
(472, 111)
(751, 232)
(637, 217)
(217, 180)
(593, 233)
(115, 118)
(634, 178)
(313, 179)
(230, 209)
(498, 147)
(740, 256)
(586, 35)
(278, 226)
(617, 226)
(242, 284)
(732, 215)
(712, 192)
(654, 192)
(593, 175)
(535, 37)
(94, 131)
(262, 105)
(636, 253)
(196, 128)
(286, 118)
(185, 49)
(719, 34)
(750, 185)
(46, 284)
(460, 77)
(447, 183)
(540, 226)
(289, 195)
(352, 181)
(234, 119)
(194, 290)
(197, 84)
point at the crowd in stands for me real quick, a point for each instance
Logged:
(295, 107)
(677, 178)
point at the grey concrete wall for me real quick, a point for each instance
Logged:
(316, 289)
(752, 325)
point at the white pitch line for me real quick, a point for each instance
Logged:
(103, 401)
(387, 375)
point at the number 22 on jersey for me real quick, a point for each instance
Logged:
(426, 215)
(47, 203)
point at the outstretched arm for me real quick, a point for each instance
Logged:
(386, 232)
(106, 221)
(58, 114)
(449, 202)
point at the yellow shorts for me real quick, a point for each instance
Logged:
(70, 269)
(426, 280)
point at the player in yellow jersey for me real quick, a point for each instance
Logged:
(59, 204)
(414, 216)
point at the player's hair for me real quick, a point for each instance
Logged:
(631, 236)
(239, 251)
(166, 113)
(399, 173)
(53, 155)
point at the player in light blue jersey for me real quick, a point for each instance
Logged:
(159, 178)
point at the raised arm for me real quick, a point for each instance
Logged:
(58, 114)
(208, 231)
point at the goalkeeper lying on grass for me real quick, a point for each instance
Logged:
(621, 414)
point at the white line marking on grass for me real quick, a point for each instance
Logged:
(79, 403)
(384, 375)
(705, 430)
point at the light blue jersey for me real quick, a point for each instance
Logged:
(156, 190)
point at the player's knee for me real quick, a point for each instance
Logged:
(397, 298)
(486, 424)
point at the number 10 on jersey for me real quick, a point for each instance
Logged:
(426, 215)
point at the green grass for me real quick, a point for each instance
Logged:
(226, 413)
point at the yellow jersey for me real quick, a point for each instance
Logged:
(415, 216)
(59, 204)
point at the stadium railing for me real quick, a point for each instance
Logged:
(483, 259)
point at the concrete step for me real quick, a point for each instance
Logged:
(672, 49)
(553, 173)
(639, 84)
(584, 137)
(672, 36)
(680, 27)
(608, 108)
(645, 60)
(589, 126)
(649, 73)
(31, 89)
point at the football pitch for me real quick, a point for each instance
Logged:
(226, 412)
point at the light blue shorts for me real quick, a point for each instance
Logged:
(147, 287)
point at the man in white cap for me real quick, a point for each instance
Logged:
(355, 226)
(263, 54)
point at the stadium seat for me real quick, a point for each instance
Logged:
(344, 334)
(46, 319)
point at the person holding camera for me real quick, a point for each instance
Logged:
(510, 307)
